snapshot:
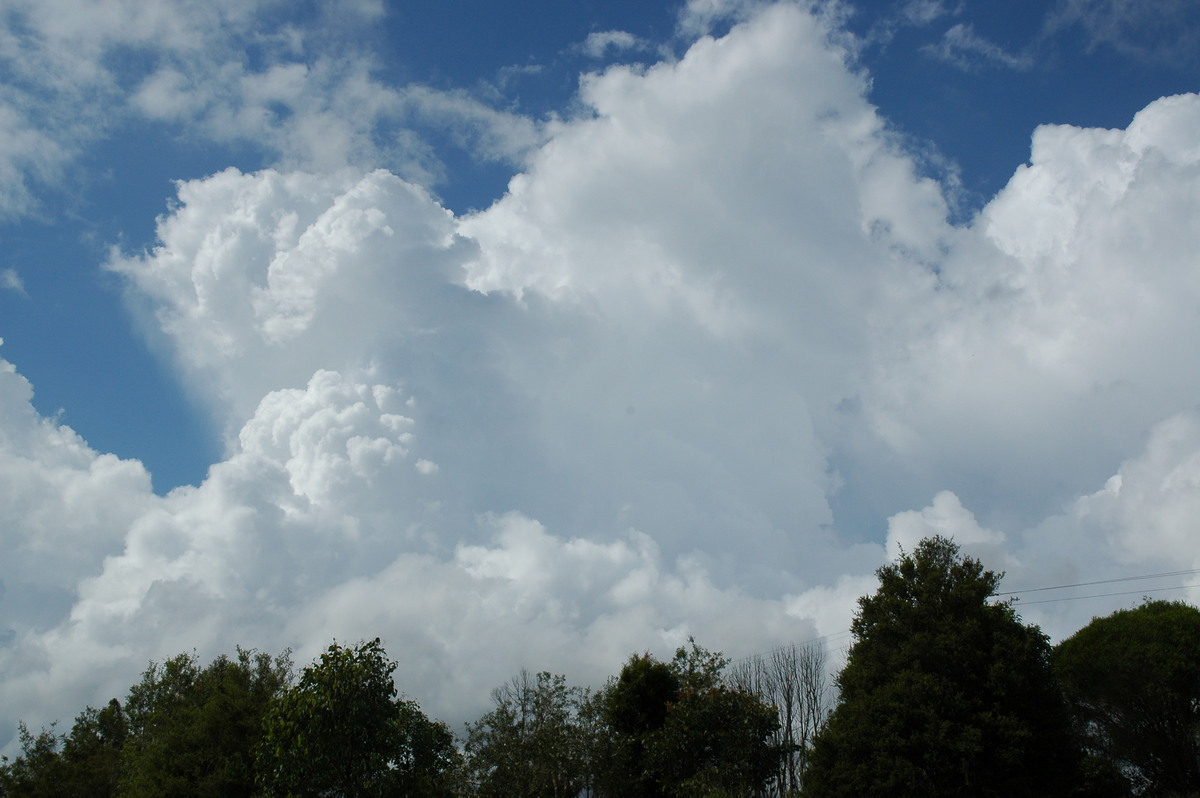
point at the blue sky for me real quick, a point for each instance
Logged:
(970, 112)
(774, 290)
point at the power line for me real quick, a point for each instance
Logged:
(829, 639)
(1103, 595)
(1188, 572)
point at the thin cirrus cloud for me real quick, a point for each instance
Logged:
(963, 47)
(634, 399)
(1163, 33)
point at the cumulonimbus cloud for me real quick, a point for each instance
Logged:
(718, 332)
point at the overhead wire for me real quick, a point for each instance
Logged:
(839, 636)
(1164, 574)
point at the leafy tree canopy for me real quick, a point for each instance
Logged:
(679, 729)
(1133, 682)
(944, 692)
(342, 730)
(193, 730)
(533, 742)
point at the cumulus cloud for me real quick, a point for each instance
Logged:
(945, 517)
(695, 373)
(259, 280)
(1051, 343)
(313, 530)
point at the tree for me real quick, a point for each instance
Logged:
(794, 679)
(679, 729)
(37, 771)
(944, 692)
(91, 753)
(531, 743)
(625, 713)
(82, 764)
(342, 730)
(1132, 680)
(193, 731)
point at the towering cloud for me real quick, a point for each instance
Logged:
(715, 351)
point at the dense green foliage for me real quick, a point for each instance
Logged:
(183, 731)
(193, 731)
(626, 713)
(38, 771)
(944, 692)
(1133, 683)
(681, 729)
(342, 730)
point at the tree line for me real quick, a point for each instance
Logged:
(944, 692)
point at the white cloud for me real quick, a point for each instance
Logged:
(1137, 524)
(36, 142)
(308, 100)
(599, 43)
(1051, 343)
(963, 47)
(948, 518)
(1142, 516)
(298, 538)
(1165, 33)
(10, 280)
(699, 17)
(260, 280)
(924, 12)
(641, 396)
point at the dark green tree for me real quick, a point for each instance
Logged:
(37, 772)
(91, 753)
(945, 692)
(680, 729)
(193, 731)
(1132, 680)
(532, 742)
(624, 714)
(82, 764)
(342, 730)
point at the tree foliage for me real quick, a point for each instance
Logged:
(625, 713)
(1133, 682)
(37, 772)
(92, 751)
(342, 730)
(944, 692)
(532, 743)
(679, 729)
(183, 730)
(193, 731)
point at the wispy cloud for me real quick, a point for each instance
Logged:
(964, 48)
(600, 43)
(924, 12)
(309, 99)
(11, 281)
(1166, 32)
